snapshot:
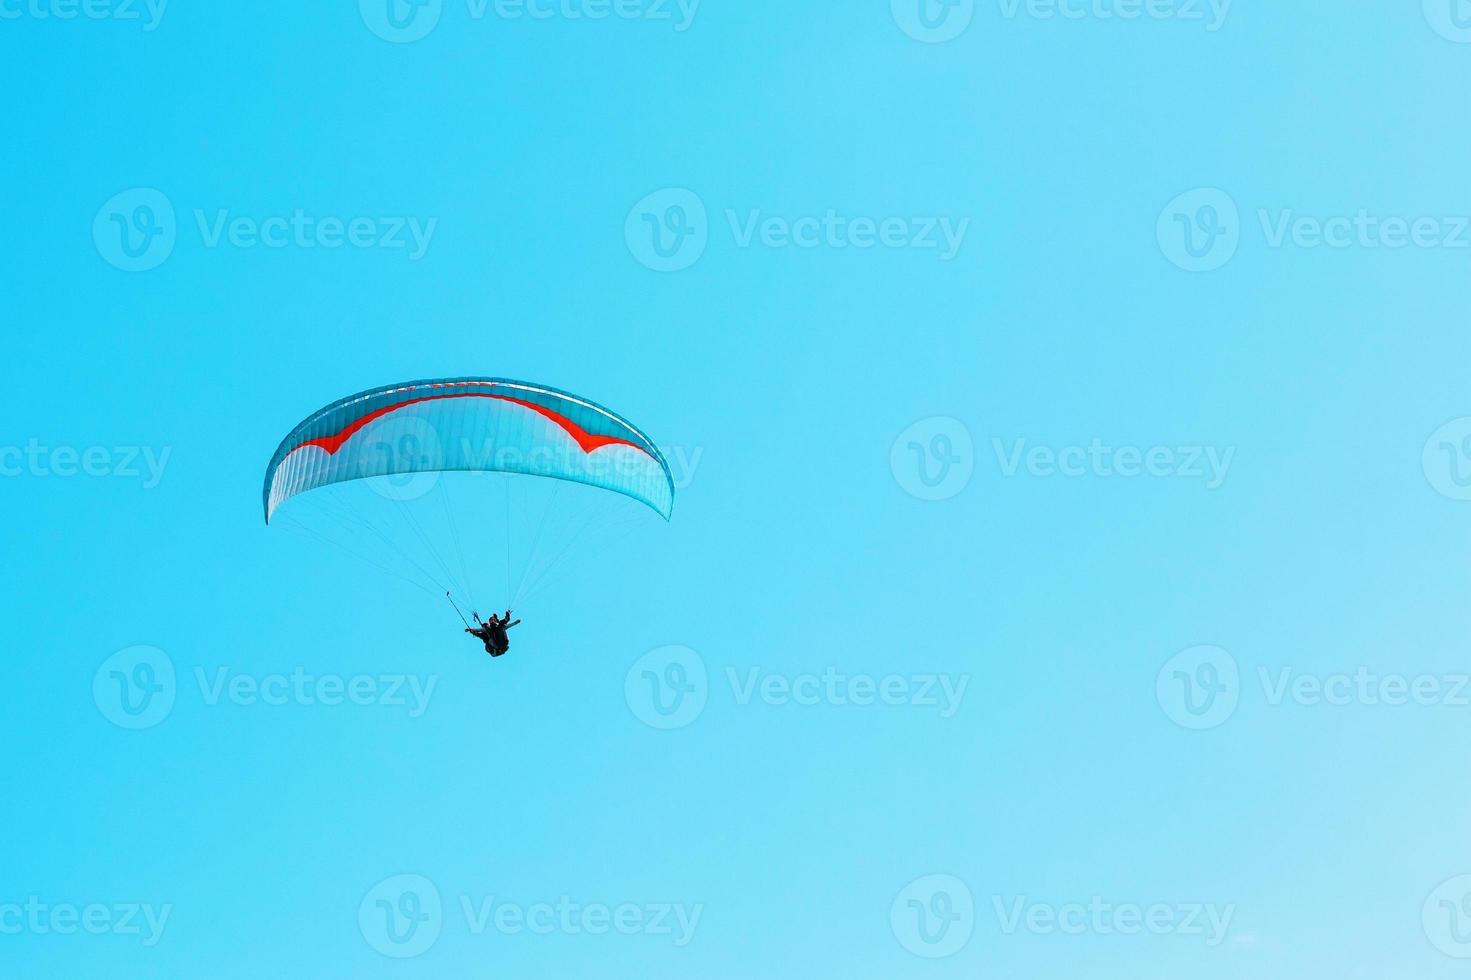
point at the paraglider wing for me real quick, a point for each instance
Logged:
(473, 424)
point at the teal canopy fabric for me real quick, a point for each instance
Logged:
(484, 424)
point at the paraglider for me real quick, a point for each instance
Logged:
(399, 440)
(492, 633)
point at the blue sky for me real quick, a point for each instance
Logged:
(1067, 571)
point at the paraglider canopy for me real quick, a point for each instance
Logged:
(470, 424)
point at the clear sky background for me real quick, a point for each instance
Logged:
(1083, 771)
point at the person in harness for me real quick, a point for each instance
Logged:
(492, 632)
